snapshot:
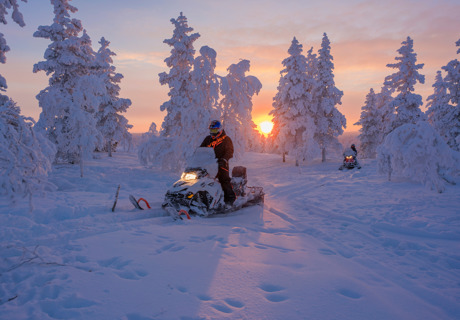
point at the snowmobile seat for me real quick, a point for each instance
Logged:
(239, 172)
(239, 180)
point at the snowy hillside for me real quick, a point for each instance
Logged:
(327, 244)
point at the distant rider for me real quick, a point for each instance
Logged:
(223, 149)
(353, 152)
(353, 147)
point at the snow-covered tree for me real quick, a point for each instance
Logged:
(178, 138)
(205, 97)
(153, 131)
(237, 90)
(449, 119)
(74, 92)
(406, 104)
(453, 78)
(17, 17)
(444, 117)
(370, 126)
(112, 125)
(179, 78)
(386, 110)
(293, 116)
(25, 156)
(328, 119)
(418, 152)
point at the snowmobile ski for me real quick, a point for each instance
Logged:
(116, 198)
(134, 202)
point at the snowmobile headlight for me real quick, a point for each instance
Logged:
(189, 176)
(349, 157)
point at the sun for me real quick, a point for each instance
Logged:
(266, 127)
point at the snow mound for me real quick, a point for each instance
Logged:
(417, 151)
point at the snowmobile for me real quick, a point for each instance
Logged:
(349, 161)
(199, 192)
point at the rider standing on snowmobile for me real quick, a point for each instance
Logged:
(223, 149)
(353, 147)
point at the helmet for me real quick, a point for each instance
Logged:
(353, 145)
(215, 128)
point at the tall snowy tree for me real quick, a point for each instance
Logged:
(451, 118)
(441, 114)
(177, 138)
(179, 77)
(386, 111)
(329, 121)
(237, 90)
(73, 95)
(292, 114)
(5, 5)
(453, 78)
(375, 117)
(205, 96)
(112, 125)
(25, 156)
(370, 127)
(407, 104)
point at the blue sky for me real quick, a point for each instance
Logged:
(364, 37)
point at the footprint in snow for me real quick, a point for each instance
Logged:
(170, 247)
(228, 305)
(327, 252)
(349, 293)
(273, 292)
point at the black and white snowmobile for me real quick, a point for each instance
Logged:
(349, 160)
(199, 192)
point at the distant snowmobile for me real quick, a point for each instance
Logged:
(349, 161)
(199, 192)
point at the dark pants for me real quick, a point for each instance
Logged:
(224, 179)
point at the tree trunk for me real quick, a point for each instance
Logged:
(323, 155)
(284, 156)
(81, 161)
(109, 147)
(296, 162)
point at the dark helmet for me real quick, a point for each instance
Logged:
(215, 128)
(353, 146)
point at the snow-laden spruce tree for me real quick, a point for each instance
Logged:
(205, 97)
(178, 79)
(292, 112)
(451, 118)
(6, 5)
(25, 156)
(328, 119)
(441, 114)
(112, 125)
(418, 152)
(171, 149)
(238, 89)
(406, 104)
(74, 91)
(386, 110)
(370, 127)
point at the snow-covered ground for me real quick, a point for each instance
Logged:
(327, 244)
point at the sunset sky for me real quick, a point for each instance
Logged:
(364, 35)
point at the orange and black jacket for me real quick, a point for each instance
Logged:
(222, 144)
